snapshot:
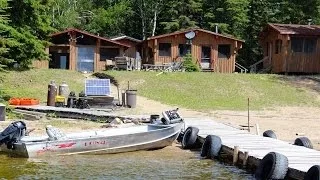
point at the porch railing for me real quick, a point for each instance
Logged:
(242, 69)
(253, 67)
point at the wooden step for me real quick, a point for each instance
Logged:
(207, 70)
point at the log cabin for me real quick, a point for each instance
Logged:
(74, 49)
(210, 50)
(133, 50)
(291, 48)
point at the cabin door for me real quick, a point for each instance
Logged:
(205, 57)
(85, 61)
(59, 60)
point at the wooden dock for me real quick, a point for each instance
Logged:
(92, 114)
(300, 159)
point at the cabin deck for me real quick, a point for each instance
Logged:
(300, 158)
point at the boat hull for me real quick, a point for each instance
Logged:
(148, 137)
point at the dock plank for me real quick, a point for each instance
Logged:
(300, 158)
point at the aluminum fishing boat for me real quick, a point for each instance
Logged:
(115, 140)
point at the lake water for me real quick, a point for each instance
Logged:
(167, 163)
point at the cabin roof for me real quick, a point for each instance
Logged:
(126, 37)
(194, 29)
(296, 29)
(88, 34)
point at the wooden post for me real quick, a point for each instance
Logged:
(235, 155)
(97, 57)
(118, 94)
(245, 159)
(257, 129)
(248, 115)
(123, 96)
(72, 52)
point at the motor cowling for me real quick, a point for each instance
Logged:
(13, 133)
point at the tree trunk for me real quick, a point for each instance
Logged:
(154, 21)
(143, 20)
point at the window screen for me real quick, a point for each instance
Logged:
(184, 49)
(310, 45)
(109, 53)
(296, 44)
(164, 49)
(224, 51)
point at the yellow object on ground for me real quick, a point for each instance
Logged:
(60, 99)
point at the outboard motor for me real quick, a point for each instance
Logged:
(71, 102)
(13, 133)
(171, 117)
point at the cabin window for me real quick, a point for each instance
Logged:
(109, 53)
(296, 44)
(310, 45)
(278, 46)
(164, 49)
(224, 51)
(184, 49)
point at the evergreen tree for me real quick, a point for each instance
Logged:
(5, 40)
(181, 15)
(258, 15)
(229, 15)
(30, 28)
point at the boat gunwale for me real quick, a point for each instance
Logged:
(98, 136)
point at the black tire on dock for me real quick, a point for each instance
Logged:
(313, 173)
(303, 141)
(270, 134)
(211, 147)
(273, 166)
(190, 137)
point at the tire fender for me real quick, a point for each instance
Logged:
(313, 173)
(273, 166)
(270, 134)
(303, 141)
(190, 137)
(211, 146)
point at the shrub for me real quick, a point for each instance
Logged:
(189, 64)
(106, 76)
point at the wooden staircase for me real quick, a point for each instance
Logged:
(242, 69)
(254, 68)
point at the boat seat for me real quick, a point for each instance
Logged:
(55, 133)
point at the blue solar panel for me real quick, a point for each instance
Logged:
(97, 87)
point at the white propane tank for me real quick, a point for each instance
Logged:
(64, 90)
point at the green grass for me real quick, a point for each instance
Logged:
(199, 91)
(207, 91)
(34, 83)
